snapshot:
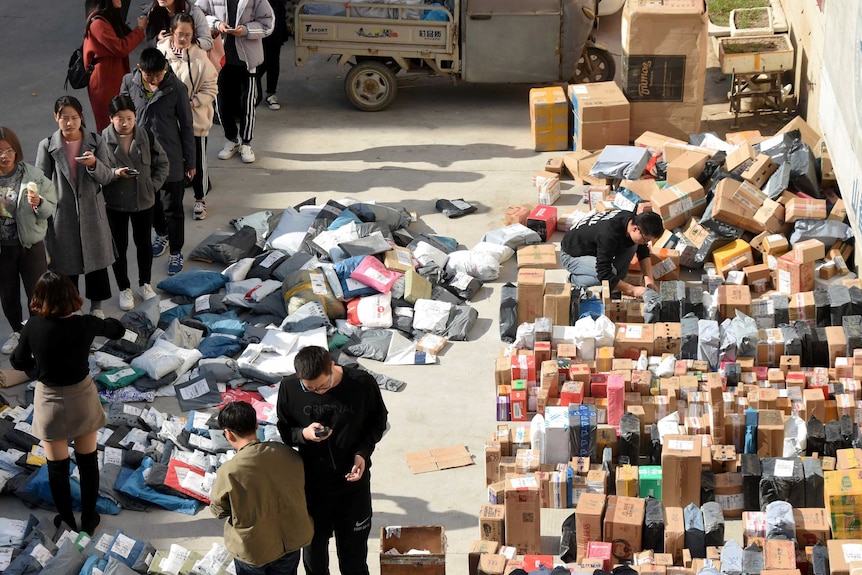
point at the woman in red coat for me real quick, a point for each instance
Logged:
(107, 45)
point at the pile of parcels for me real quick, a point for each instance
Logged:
(35, 546)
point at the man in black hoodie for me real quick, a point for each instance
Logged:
(601, 246)
(162, 107)
(334, 416)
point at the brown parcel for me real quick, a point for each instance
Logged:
(681, 463)
(588, 520)
(431, 538)
(624, 525)
(674, 533)
(492, 564)
(557, 302)
(758, 172)
(812, 525)
(779, 554)
(531, 291)
(491, 522)
(601, 115)
(542, 256)
(688, 165)
(770, 435)
(664, 61)
(809, 251)
(477, 549)
(841, 553)
(676, 204)
(523, 508)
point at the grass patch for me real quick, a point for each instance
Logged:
(719, 10)
(751, 46)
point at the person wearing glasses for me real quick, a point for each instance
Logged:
(334, 416)
(27, 200)
(268, 520)
(192, 65)
(162, 107)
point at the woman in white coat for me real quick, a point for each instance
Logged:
(193, 67)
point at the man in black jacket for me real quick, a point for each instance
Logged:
(162, 107)
(601, 247)
(334, 416)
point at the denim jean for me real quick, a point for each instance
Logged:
(287, 564)
(583, 268)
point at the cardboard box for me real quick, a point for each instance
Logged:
(515, 215)
(771, 216)
(477, 549)
(538, 256)
(674, 532)
(631, 338)
(734, 256)
(804, 208)
(688, 165)
(398, 259)
(543, 221)
(842, 553)
(775, 245)
(600, 116)
(531, 292)
(793, 276)
(676, 204)
(549, 119)
(623, 526)
(491, 564)
(779, 554)
(665, 263)
(492, 522)
(739, 156)
(430, 538)
(809, 251)
(643, 188)
(588, 520)
(838, 211)
(681, 463)
(812, 525)
(732, 298)
(809, 134)
(758, 277)
(759, 171)
(523, 508)
(572, 159)
(655, 142)
(663, 65)
(558, 303)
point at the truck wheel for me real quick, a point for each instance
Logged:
(595, 65)
(370, 86)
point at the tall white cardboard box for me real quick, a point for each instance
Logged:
(664, 65)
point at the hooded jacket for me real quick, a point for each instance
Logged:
(145, 155)
(168, 116)
(255, 15)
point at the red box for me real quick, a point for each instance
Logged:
(599, 385)
(535, 562)
(600, 550)
(761, 372)
(543, 221)
(572, 392)
(518, 405)
(524, 367)
(616, 399)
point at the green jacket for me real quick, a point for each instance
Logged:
(262, 493)
(33, 224)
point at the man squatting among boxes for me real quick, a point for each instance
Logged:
(601, 247)
(334, 416)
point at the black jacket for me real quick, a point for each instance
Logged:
(168, 115)
(604, 236)
(353, 409)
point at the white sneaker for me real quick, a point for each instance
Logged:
(11, 343)
(272, 102)
(229, 151)
(147, 292)
(200, 210)
(127, 299)
(246, 153)
(97, 313)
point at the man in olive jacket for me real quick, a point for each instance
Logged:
(262, 493)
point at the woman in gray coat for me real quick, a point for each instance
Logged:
(79, 237)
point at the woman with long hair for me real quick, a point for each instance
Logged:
(192, 66)
(56, 343)
(27, 200)
(162, 13)
(108, 41)
(78, 240)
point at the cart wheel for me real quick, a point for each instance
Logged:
(595, 65)
(370, 86)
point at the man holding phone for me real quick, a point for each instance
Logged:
(243, 25)
(334, 416)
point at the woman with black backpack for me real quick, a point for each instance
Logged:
(108, 41)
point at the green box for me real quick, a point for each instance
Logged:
(649, 479)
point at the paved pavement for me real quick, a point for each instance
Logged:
(438, 140)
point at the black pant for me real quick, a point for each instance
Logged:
(347, 512)
(271, 66)
(237, 93)
(19, 264)
(142, 222)
(97, 285)
(201, 182)
(168, 215)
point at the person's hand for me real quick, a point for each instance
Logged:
(142, 22)
(238, 31)
(191, 173)
(357, 470)
(224, 28)
(33, 197)
(123, 173)
(163, 34)
(650, 283)
(638, 291)
(87, 159)
(309, 435)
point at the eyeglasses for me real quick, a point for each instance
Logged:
(7, 152)
(307, 389)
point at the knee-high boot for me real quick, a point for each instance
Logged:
(61, 491)
(88, 466)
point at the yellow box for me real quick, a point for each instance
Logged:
(549, 119)
(736, 251)
(843, 502)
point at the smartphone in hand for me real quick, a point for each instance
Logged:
(132, 172)
(321, 431)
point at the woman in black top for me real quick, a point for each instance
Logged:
(56, 342)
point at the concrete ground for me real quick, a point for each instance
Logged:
(438, 140)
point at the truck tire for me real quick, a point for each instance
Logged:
(370, 86)
(601, 67)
